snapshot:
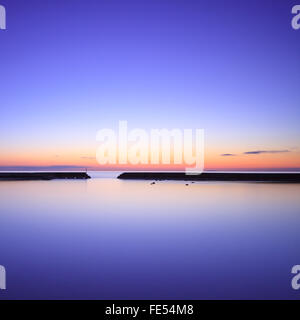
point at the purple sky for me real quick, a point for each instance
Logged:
(71, 67)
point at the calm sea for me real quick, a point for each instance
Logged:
(110, 239)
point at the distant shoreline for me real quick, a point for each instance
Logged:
(24, 176)
(212, 176)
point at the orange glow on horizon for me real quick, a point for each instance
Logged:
(87, 159)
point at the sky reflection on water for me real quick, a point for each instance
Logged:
(111, 239)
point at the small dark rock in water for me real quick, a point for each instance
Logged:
(193, 182)
(186, 184)
(152, 183)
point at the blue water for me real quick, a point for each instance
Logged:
(110, 239)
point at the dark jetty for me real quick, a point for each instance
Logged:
(213, 176)
(18, 176)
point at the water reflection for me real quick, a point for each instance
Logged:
(111, 239)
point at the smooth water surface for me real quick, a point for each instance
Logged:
(111, 239)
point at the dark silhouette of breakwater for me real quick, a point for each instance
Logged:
(16, 176)
(213, 176)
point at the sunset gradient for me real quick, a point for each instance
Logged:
(71, 68)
